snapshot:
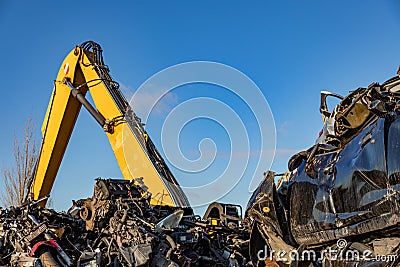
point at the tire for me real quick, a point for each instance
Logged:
(48, 260)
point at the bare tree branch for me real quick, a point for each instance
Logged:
(16, 178)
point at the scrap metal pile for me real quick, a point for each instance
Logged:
(117, 227)
(342, 195)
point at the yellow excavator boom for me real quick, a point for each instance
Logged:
(83, 71)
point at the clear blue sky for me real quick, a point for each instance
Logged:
(291, 51)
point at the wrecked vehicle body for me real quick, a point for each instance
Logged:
(345, 188)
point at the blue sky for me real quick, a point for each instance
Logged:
(291, 51)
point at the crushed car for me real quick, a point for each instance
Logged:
(341, 194)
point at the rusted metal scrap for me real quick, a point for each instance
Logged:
(117, 226)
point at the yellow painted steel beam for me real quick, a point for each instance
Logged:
(134, 151)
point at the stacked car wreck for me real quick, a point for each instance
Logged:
(345, 187)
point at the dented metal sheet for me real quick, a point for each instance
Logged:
(345, 188)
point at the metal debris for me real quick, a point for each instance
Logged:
(341, 194)
(117, 226)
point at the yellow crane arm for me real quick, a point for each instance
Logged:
(83, 70)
